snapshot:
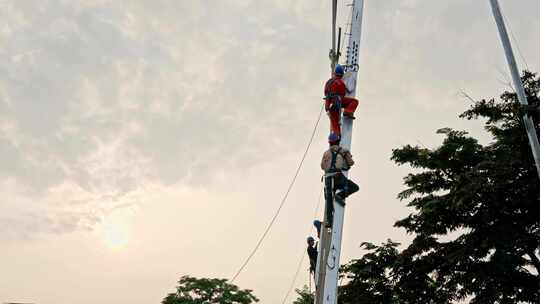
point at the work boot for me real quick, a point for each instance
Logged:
(339, 197)
(349, 115)
(341, 201)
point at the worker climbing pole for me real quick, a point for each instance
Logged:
(336, 101)
(328, 258)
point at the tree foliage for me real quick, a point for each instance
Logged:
(476, 221)
(304, 296)
(370, 279)
(476, 218)
(385, 276)
(192, 290)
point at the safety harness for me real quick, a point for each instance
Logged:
(333, 170)
(334, 159)
(330, 182)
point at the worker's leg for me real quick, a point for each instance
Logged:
(339, 187)
(349, 105)
(350, 187)
(329, 198)
(312, 265)
(344, 187)
(335, 126)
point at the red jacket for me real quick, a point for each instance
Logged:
(334, 87)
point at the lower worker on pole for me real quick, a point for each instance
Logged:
(312, 254)
(318, 225)
(336, 185)
(335, 100)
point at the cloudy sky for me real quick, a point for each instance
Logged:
(145, 140)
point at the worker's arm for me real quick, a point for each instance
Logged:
(325, 162)
(327, 104)
(348, 158)
(341, 88)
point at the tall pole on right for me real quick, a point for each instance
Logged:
(518, 85)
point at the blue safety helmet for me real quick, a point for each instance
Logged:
(339, 71)
(333, 138)
(310, 239)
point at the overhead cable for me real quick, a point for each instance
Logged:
(515, 41)
(283, 200)
(303, 253)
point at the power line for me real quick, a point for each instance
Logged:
(283, 200)
(303, 253)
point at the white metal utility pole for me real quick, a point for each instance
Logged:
(325, 236)
(518, 85)
(330, 248)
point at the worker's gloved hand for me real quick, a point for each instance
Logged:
(335, 106)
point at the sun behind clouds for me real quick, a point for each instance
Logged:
(115, 229)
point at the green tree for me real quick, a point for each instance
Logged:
(192, 290)
(304, 296)
(385, 275)
(370, 279)
(476, 222)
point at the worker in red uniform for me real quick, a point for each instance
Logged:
(335, 100)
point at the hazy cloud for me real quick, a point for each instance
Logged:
(114, 105)
(108, 96)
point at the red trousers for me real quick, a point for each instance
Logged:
(348, 105)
